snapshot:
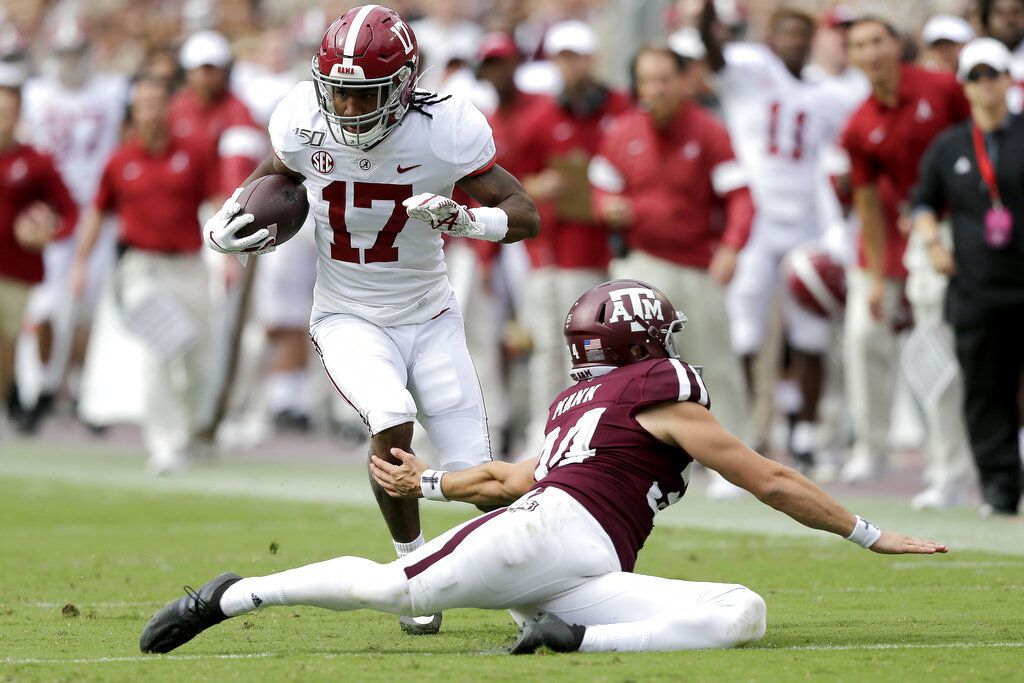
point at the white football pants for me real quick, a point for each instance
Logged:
(392, 375)
(545, 553)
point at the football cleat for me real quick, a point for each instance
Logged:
(181, 620)
(420, 626)
(548, 631)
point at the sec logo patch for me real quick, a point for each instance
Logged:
(322, 162)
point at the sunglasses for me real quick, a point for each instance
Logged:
(983, 73)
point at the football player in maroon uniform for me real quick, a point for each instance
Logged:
(620, 446)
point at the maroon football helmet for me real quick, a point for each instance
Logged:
(816, 281)
(608, 321)
(369, 49)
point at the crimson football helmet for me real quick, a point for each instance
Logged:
(369, 50)
(606, 325)
(816, 281)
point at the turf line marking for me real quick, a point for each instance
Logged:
(888, 646)
(345, 655)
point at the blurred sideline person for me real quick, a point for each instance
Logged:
(379, 159)
(942, 38)
(974, 171)
(780, 124)
(885, 139)
(572, 254)
(1004, 21)
(619, 448)
(155, 183)
(685, 228)
(28, 179)
(74, 114)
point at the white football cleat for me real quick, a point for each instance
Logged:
(940, 498)
(859, 468)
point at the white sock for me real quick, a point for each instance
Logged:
(287, 391)
(404, 549)
(343, 583)
(805, 437)
(634, 637)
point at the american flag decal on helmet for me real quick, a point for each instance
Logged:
(592, 349)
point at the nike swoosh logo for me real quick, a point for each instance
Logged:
(407, 168)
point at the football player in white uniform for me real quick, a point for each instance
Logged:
(75, 115)
(379, 160)
(780, 124)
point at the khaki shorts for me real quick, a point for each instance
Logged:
(13, 296)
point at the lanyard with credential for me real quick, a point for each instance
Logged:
(998, 220)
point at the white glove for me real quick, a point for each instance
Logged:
(220, 231)
(444, 214)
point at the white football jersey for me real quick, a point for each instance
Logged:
(374, 261)
(779, 126)
(79, 128)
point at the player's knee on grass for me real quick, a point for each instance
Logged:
(738, 619)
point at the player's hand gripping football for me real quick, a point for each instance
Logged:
(444, 214)
(221, 231)
(400, 481)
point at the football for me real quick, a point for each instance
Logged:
(278, 203)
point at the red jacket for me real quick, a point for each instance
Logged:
(886, 144)
(228, 131)
(556, 133)
(687, 191)
(28, 177)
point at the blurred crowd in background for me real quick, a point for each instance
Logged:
(836, 396)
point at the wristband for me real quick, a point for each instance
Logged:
(430, 484)
(493, 220)
(864, 533)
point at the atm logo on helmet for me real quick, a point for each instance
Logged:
(633, 301)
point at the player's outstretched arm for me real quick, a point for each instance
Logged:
(499, 189)
(692, 427)
(488, 484)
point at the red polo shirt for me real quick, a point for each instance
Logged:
(228, 131)
(687, 191)
(157, 196)
(886, 144)
(27, 177)
(557, 133)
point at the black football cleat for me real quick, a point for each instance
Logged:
(181, 620)
(548, 631)
(420, 626)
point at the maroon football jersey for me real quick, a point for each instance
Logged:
(599, 454)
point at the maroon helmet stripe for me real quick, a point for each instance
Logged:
(414, 570)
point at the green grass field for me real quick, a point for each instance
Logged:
(94, 533)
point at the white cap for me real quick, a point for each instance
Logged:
(205, 48)
(987, 51)
(947, 27)
(570, 36)
(686, 42)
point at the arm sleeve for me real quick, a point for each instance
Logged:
(746, 66)
(862, 167)
(604, 175)
(929, 193)
(279, 126)
(473, 151)
(729, 181)
(56, 195)
(106, 193)
(673, 380)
